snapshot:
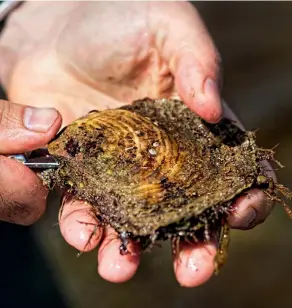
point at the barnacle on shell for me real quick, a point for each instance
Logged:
(154, 170)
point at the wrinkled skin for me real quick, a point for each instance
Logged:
(82, 56)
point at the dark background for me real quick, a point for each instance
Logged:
(38, 269)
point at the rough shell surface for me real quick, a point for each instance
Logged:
(154, 165)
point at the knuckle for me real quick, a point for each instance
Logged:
(4, 111)
(8, 118)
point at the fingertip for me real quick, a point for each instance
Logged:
(199, 92)
(250, 209)
(195, 264)
(114, 267)
(79, 226)
(205, 106)
(24, 128)
(54, 128)
(211, 101)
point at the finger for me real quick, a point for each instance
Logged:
(253, 207)
(79, 225)
(194, 264)
(22, 194)
(193, 59)
(113, 266)
(24, 128)
(250, 210)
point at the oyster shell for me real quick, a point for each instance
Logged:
(154, 170)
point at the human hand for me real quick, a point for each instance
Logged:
(83, 56)
(22, 129)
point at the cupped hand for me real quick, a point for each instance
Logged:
(82, 56)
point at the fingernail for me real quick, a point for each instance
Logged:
(249, 217)
(211, 88)
(39, 119)
(212, 97)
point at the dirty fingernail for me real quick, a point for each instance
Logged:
(39, 119)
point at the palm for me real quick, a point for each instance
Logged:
(126, 63)
(84, 56)
(105, 64)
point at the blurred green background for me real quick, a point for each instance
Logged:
(38, 269)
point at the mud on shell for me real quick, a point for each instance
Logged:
(153, 170)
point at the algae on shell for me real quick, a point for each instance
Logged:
(154, 170)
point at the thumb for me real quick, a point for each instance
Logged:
(24, 128)
(193, 60)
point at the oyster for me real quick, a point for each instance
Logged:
(154, 170)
